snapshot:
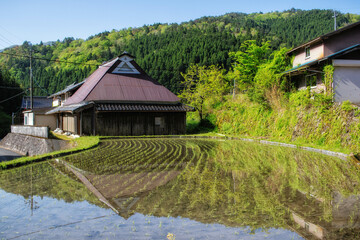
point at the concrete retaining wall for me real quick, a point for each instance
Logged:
(31, 146)
(31, 130)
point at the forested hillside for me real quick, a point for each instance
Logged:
(166, 50)
(10, 99)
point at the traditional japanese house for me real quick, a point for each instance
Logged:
(119, 98)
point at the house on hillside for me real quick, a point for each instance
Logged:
(59, 98)
(119, 98)
(340, 48)
(37, 115)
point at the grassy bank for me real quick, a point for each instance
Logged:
(312, 121)
(78, 144)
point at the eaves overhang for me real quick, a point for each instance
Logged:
(74, 108)
(305, 66)
(301, 67)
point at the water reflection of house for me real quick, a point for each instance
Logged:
(309, 216)
(121, 191)
(119, 98)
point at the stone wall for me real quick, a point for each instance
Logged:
(31, 146)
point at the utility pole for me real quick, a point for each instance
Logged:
(335, 15)
(31, 81)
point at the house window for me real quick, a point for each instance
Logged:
(159, 121)
(311, 80)
(307, 52)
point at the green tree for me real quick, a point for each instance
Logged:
(202, 85)
(247, 61)
(269, 73)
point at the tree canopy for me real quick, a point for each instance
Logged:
(165, 51)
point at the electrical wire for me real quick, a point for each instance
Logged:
(12, 97)
(50, 60)
(18, 38)
(77, 63)
(44, 90)
(5, 40)
(6, 87)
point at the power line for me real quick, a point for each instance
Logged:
(44, 90)
(11, 33)
(3, 45)
(7, 41)
(50, 60)
(12, 97)
(6, 87)
(77, 63)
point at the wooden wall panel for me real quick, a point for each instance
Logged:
(136, 124)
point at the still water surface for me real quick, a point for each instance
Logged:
(182, 189)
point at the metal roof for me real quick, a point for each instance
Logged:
(313, 62)
(109, 107)
(342, 52)
(38, 102)
(103, 85)
(300, 67)
(68, 89)
(71, 108)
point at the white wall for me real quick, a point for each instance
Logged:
(31, 131)
(346, 81)
(29, 118)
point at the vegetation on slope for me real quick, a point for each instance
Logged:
(267, 105)
(9, 90)
(166, 50)
(239, 53)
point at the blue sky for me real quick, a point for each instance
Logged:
(40, 20)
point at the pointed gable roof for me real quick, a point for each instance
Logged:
(122, 80)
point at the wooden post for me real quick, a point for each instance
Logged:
(94, 121)
(81, 119)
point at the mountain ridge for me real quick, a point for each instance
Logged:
(166, 50)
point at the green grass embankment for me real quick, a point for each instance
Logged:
(310, 122)
(79, 144)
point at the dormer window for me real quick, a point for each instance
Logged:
(307, 52)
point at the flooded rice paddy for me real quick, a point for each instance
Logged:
(182, 189)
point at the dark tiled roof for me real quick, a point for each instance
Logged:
(115, 107)
(38, 102)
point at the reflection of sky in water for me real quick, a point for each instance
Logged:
(56, 219)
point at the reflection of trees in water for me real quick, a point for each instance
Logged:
(231, 182)
(44, 180)
(304, 183)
